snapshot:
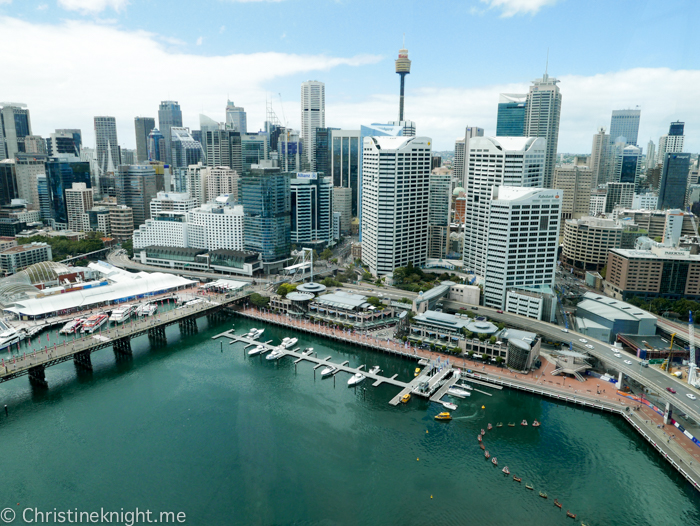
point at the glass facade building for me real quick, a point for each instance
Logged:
(510, 121)
(311, 210)
(254, 148)
(8, 182)
(265, 196)
(61, 174)
(136, 187)
(674, 180)
(169, 116)
(346, 157)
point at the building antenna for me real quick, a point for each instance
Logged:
(404, 41)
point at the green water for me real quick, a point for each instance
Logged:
(230, 439)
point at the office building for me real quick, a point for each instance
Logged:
(27, 169)
(542, 116)
(523, 238)
(311, 208)
(172, 202)
(336, 226)
(61, 173)
(78, 202)
(346, 155)
(35, 145)
(265, 196)
(184, 150)
(439, 194)
(656, 271)
(289, 149)
(588, 240)
(461, 149)
(324, 142)
(395, 197)
(618, 195)
(651, 155)
(625, 163)
(313, 115)
(106, 145)
(8, 182)
(512, 109)
(342, 203)
(169, 116)
(236, 118)
(645, 201)
(20, 257)
(223, 148)
(197, 183)
(408, 127)
(127, 155)
(496, 161)
(98, 220)
(254, 150)
(66, 141)
(672, 142)
(136, 187)
(599, 157)
(15, 125)
(666, 224)
(674, 180)
(575, 182)
(222, 180)
(121, 220)
(143, 127)
(625, 123)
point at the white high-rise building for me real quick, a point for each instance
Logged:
(458, 167)
(313, 115)
(672, 142)
(409, 127)
(196, 182)
(542, 116)
(78, 202)
(311, 210)
(236, 118)
(651, 155)
(599, 157)
(395, 188)
(523, 241)
(625, 123)
(222, 180)
(172, 202)
(496, 161)
(106, 147)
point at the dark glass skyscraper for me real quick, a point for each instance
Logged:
(61, 173)
(323, 150)
(676, 128)
(143, 127)
(674, 180)
(8, 182)
(510, 121)
(345, 162)
(265, 196)
(169, 115)
(136, 187)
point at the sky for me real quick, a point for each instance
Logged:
(70, 60)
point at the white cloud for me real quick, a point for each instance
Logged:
(518, 7)
(5, 2)
(664, 95)
(199, 41)
(42, 7)
(69, 93)
(93, 6)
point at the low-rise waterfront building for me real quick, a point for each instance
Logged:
(20, 257)
(240, 262)
(351, 310)
(603, 318)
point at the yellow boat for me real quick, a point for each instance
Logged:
(416, 372)
(405, 398)
(443, 416)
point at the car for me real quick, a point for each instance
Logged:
(616, 351)
(618, 356)
(499, 311)
(589, 346)
(628, 362)
(691, 396)
(565, 330)
(671, 390)
(582, 340)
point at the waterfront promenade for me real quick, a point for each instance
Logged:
(677, 448)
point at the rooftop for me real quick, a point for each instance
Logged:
(612, 309)
(343, 300)
(442, 319)
(24, 248)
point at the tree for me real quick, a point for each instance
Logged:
(492, 340)
(499, 360)
(327, 254)
(375, 301)
(286, 288)
(482, 336)
(128, 245)
(366, 276)
(259, 300)
(471, 354)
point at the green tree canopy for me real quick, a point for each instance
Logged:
(259, 300)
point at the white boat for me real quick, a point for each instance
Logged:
(121, 314)
(256, 333)
(455, 391)
(328, 371)
(147, 309)
(10, 337)
(289, 343)
(72, 326)
(356, 379)
(375, 370)
(256, 350)
(450, 406)
(276, 353)
(94, 322)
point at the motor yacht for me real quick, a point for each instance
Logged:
(456, 391)
(256, 350)
(288, 343)
(375, 370)
(276, 353)
(72, 326)
(257, 334)
(328, 371)
(356, 378)
(93, 323)
(121, 314)
(149, 309)
(450, 406)
(11, 336)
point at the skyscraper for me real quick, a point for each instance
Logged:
(28, 168)
(395, 202)
(625, 123)
(236, 118)
(461, 154)
(254, 149)
(542, 120)
(311, 209)
(169, 115)
(496, 161)
(313, 115)
(674, 180)
(8, 182)
(223, 148)
(78, 202)
(136, 186)
(439, 194)
(346, 155)
(625, 163)
(143, 127)
(184, 150)
(323, 150)
(672, 142)
(106, 145)
(15, 125)
(599, 157)
(61, 173)
(651, 155)
(155, 146)
(403, 68)
(222, 180)
(198, 183)
(512, 109)
(65, 141)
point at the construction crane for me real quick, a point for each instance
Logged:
(692, 367)
(670, 355)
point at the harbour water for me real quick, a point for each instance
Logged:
(233, 440)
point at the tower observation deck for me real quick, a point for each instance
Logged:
(403, 68)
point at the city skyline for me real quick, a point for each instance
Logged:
(360, 79)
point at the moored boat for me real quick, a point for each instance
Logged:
(93, 323)
(500, 424)
(256, 350)
(478, 438)
(543, 495)
(375, 370)
(276, 353)
(569, 514)
(72, 326)
(356, 379)
(481, 445)
(405, 398)
(443, 416)
(486, 454)
(328, 371)
(416, 372)
(489, 427)
(258, 333)
(149, 309)
(535, 424)
(557, 503)
(517, 479)
(288, 342)
(506, 470)
(523, 423)
(528, 486)
(494, 460)
(121, 314)
(511, 424)
(449, 406)
(11, 336)
(460, 393)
